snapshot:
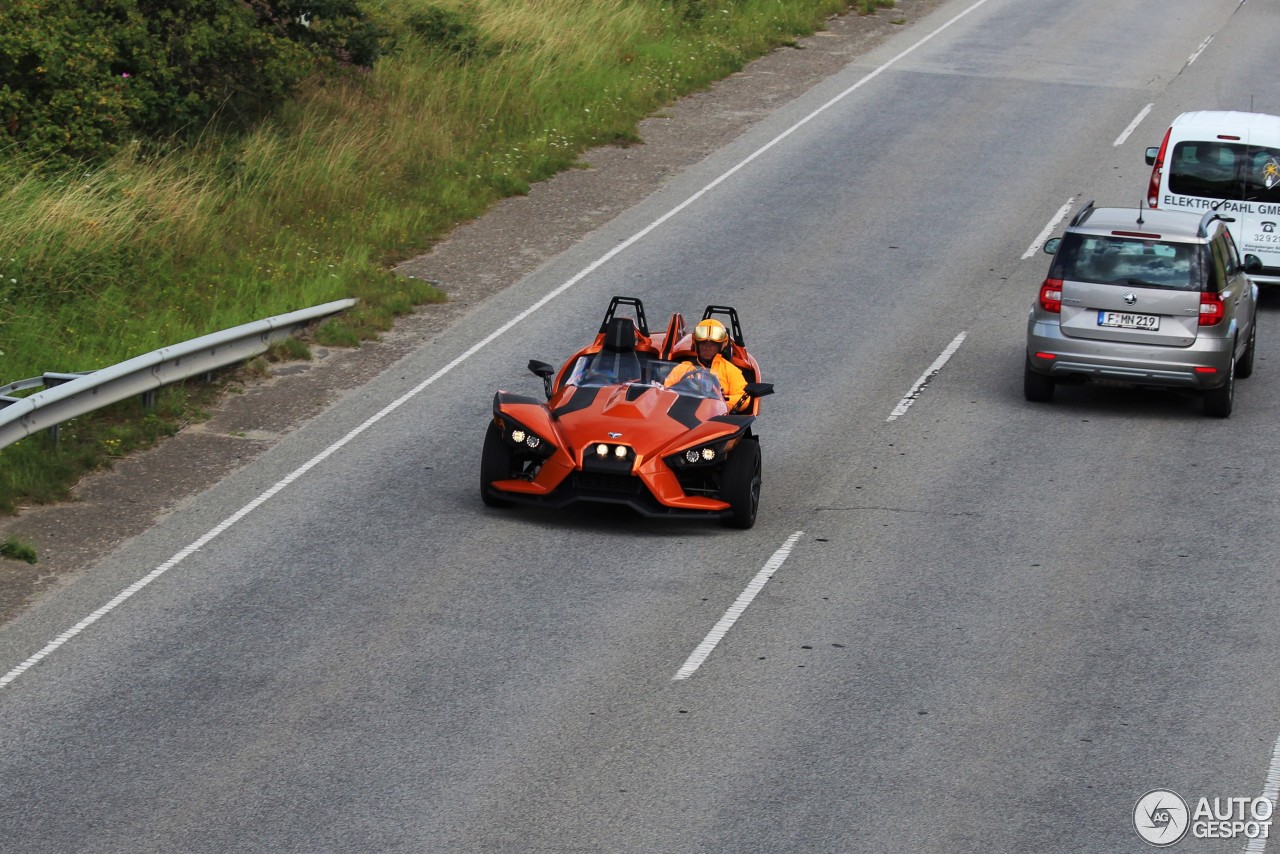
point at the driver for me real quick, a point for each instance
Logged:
(709, 339)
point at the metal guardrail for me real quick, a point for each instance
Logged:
(67, 396)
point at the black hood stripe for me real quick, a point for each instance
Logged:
(582, 399)
(685, 410)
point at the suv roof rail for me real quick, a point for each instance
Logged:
(1209, 217)
(1082, 214)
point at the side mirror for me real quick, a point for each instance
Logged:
(542, 369)
(759, 389)
(1051, 245)
(1252, 264)
(1152, 154)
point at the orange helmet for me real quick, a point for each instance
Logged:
(710, 330)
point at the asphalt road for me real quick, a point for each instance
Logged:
(987, 626)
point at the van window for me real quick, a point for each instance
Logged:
(1262, 174)
(1224, 170)
(1126, 261)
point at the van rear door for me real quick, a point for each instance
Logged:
(1259, 227)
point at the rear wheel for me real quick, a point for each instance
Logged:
(1037, 387)
(1245, 367)
(740, 484)
(1218, 401)
(495, 464)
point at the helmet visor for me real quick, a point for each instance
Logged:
(706, 331)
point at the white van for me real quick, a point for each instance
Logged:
(1230, 162)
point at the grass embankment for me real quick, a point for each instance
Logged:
(480, 99)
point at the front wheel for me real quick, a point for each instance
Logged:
(740, 484)
(495, 464)
(1218, 401)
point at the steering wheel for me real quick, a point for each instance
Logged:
(597, 378)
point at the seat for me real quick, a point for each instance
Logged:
(618, 356)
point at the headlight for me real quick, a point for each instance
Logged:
(608, 455)
(524, 438)
(698, 455)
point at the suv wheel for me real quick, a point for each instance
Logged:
(1037, 387)
(1218, 401)
(1245, 368)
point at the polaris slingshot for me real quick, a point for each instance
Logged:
(614, 427)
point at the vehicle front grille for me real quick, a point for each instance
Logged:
(624, 484)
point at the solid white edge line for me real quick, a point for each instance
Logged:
(1270, 791)
(943, 357)
(1048, 229)
(735, 611)
(1133, 125)
(506, 327)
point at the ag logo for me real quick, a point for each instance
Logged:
(1161, 817)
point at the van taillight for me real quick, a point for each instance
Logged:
(1051, 295)
(1211, 309)
(1153, 188)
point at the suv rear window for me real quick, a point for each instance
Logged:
(1224, 170)
(1128, 261)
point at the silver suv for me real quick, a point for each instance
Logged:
(1144, 298)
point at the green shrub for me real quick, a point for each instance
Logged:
(62, 95)
(15, 549)
(78, 80)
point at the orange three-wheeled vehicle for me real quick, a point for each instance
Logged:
(617, 426)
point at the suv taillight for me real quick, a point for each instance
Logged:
(1211, 309)
(1153, 188)
(1051, 295)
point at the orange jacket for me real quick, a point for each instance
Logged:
(732, 383)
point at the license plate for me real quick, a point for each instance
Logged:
(1126, 320)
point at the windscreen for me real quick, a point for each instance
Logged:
(606, 369)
